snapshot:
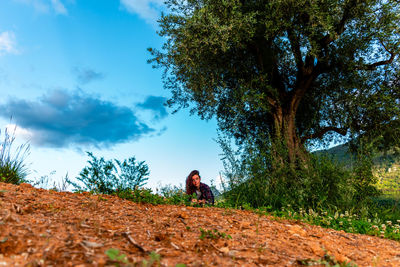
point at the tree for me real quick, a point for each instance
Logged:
(290, 71)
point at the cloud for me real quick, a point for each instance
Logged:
(149, 10)
(156, 105)
(87, 75)
(45, 6)
(58, 7)
(7, 43)
(62, 119)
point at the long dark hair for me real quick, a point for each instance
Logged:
(190, 188)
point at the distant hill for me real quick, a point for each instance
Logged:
(381, 159)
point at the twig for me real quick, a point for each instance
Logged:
(175, 246)
(183, 221)
(136, 244)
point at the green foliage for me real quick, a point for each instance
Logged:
(154, 260)
(388, 180)
(12, 161)
(131, 174)
(253, 177)
(141, 195)
(118, 259)
(370, 224)
(48, 181)
(326, 260)
(116, 256)
(212, 234)
(169, 195)
(107, 177)
(282, 76)
(302, 71)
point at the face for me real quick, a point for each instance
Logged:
(196, 180)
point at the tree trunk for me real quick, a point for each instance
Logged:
(290, 149)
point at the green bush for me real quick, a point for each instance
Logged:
(168, 195)
(174, 195)
(108, 177)
(254, 177)
(12, 161)
(141, 195)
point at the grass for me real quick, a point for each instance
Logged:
(213, 234)
(346, 221)
(326, 260)
(116, 258)
(375, 225)
(13, 168)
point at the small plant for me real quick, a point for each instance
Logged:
(12, 162)
(213, 234)
(48, 181)
(154, 260)
(116, 257)
(141, 195)
(175, 195)
(326, 260)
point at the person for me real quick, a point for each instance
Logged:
(203, 191)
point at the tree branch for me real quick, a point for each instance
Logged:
(314, 71)
(373, 66)
(322, 132)
(295, 45)
(340, 27)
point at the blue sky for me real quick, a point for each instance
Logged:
(74, 78)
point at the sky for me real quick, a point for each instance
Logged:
(74, 78)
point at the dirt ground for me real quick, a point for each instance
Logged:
(46, 228)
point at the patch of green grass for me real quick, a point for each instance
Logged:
(116, 258)
(213, 234)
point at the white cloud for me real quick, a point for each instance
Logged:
(7, 43)
(17, 131)
(45, 6)
(58, 7)
(148, 10)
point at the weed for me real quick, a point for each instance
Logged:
(118, 259)
(326, 260)
(155, 259)
(213, 234)
(100, 198)
(12, 161)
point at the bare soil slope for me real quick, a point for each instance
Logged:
(46, 228)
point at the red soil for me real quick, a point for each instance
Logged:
(46, 228)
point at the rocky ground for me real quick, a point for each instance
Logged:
(47, 228)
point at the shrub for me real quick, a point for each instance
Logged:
(141, 195)
(12, 162)
(255, 178)
(107, 177)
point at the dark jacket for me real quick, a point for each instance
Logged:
(206, 194)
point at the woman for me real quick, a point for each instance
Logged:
(203, 191)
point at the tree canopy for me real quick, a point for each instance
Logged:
(302, 71)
